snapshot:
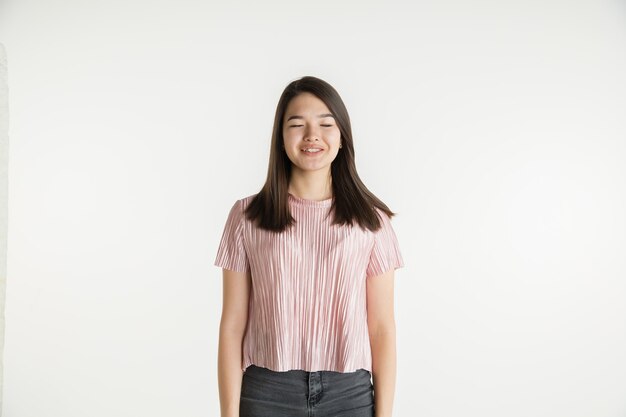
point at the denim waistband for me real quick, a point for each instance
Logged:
(302, 375)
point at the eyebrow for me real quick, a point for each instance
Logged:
(295, 116)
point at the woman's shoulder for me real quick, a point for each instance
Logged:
(382, 214)
(242, 203)
(246, 200)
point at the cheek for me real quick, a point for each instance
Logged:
(289, 135)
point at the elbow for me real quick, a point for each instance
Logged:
(233, 326)
(384, 329)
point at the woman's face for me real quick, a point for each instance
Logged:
(308, 124)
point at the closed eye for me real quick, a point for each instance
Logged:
(302, 125)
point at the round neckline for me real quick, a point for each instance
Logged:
(310, 203)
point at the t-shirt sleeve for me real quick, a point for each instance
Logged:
(231, 253)
(386, 251)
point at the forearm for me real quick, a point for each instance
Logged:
(229, 371)
(383, 343)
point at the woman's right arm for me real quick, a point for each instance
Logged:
(236, 293)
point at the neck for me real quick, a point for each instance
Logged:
(311, 185)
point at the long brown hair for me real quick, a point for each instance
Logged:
(352, 202)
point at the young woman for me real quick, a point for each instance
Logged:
(308, 267)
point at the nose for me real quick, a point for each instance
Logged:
(311, 134)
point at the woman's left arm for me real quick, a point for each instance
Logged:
(382, 334)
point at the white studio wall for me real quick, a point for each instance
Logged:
(494, 129)
(4, 165)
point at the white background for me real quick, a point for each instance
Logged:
(495, 129)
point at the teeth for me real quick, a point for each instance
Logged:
(312, 150)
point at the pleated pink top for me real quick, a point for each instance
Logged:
(307, 306)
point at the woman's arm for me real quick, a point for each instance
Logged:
(382, 333)
(236, 292)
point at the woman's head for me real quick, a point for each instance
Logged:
(311, 137)
(310, 97)
(306, 99)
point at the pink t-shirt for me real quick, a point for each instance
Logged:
(307, 306)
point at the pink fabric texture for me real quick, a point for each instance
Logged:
(307, 306)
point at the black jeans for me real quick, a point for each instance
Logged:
(298, 393)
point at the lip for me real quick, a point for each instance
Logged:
(311, 154)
